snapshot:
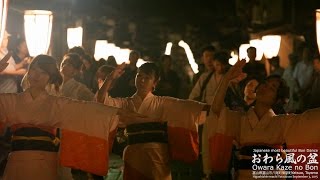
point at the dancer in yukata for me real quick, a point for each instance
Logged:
(259, 127)
(33, 116)
(170, 133)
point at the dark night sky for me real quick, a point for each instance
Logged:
(213, 19)
(175, 10)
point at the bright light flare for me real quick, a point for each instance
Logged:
(318, 27)
(258, 44)
(38, 26)
(192, 62)
(168, 48)
(140, 62)
(74, 37)
(233, 59)
(100, 50)
(271, 45)
(243, 52)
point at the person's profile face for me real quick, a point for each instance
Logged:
(250, 89)
(207, 58)
(67, 68)
(316, 64)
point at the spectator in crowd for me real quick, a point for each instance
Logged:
(111, 61)
(259, 127)
(21, 56)
(196, 77)
(102, 73)
(275, 68)
(303, 76)
(125, 87)
(8, 80)
(88, 72)
(293, 105)
(169, 83)
(314, 90)
(254, 69)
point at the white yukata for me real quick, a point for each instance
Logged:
(74, 90)
(209, 91)
(150, 160)
(297, 131)
(87, 128)
(207, 97)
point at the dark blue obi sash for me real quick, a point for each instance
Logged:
(147, 132)
(32, 138)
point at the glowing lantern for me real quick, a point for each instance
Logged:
(74, 37)
(271, 45)
(3, 18)
(100, 50)
(192, 62)
(38, 25)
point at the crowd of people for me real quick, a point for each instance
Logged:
(80, 119)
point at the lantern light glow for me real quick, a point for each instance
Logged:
(192, 62)
(257, 43)
(103, 50)
(233, 59)
(74, 37)
(122, 56)
(271, 45)
(140, 62)
(38, 26)
(168, 48)
(318, 27)
(100, 50)
(3, 17)
(243, 52)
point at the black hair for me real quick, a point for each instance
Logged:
(222, 57)
(78, 50)
(103, 71)
(251, 48)
(293, 56)
(208, 48)
(275, 61)
(316, 57)
(111, 61)
(19, 41)
(74, 60)
(49, 65)
(283, 90)
(163, 57)
(87, 57)
(150, 69)
(247, 80)
(134, 53)
(282, 94)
